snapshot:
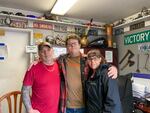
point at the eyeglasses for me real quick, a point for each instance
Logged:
(72, 44)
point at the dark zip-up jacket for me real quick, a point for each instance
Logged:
(102, 95)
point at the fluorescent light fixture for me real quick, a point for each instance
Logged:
(62, 6)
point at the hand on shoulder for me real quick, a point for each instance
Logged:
(113, 72)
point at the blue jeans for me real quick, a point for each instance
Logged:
(75, 110)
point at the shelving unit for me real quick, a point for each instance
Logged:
(145, 18)
(47, 21)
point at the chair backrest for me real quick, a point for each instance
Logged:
(15, 95)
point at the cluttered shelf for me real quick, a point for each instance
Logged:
(144, 18)
(50, 21)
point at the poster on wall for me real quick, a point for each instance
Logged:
(31, 49)
(3, 51)
(58, 51)
(109, 56)
(62, 50)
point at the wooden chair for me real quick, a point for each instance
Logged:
(9, 97)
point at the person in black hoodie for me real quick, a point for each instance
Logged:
(102, 95)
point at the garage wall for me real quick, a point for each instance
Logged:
(15, 63)
(122, 50)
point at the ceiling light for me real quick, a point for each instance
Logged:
(62, 6)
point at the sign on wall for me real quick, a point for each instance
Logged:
(31, 49)
(137, 25)
(42, 25)
(135, 38)
(144, 47)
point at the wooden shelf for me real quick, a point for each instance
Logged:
(47, 21)
(133, 22)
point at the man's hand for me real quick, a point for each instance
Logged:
(112, 72)
(33, 111)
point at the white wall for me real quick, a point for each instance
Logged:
(13, 68)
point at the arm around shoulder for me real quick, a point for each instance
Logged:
(113, 72)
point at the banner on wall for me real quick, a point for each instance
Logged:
(135, 38)
(42, 25)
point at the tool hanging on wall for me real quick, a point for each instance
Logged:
(147, 62)
(138, 68)
(130, 53)
(84, 39)
(129, 62)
